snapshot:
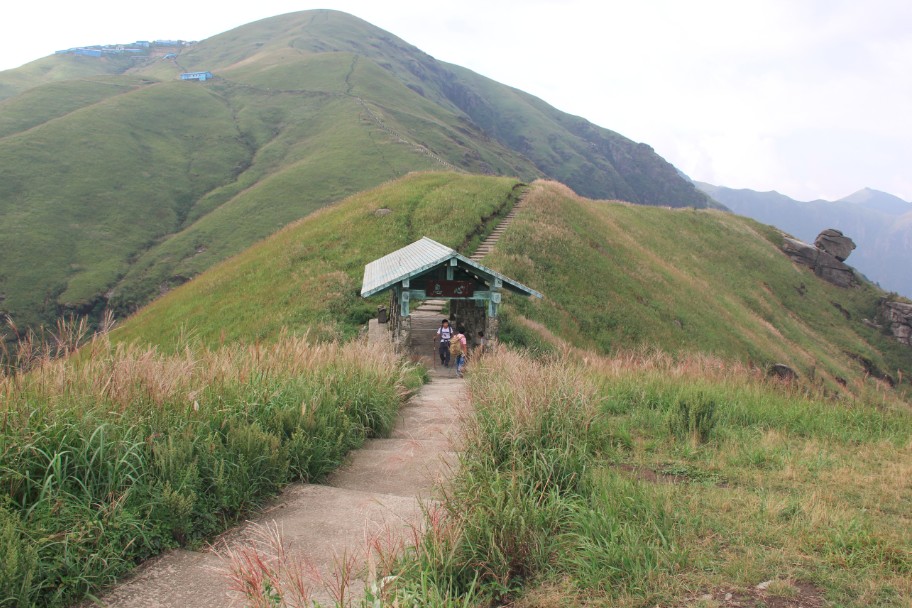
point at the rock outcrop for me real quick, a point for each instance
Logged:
(835, 243)
(782, 371)
(899, 317)
(825, 265)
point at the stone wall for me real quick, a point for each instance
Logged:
(466, 313)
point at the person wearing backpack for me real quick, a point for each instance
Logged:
(444, 335)
(458, 348)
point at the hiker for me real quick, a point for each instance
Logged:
(442, 341)
(458, 348)
(480, 343)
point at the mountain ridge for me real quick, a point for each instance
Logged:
(307, 108)
(878, 200)
(737, 297)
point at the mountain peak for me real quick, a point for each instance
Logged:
(878, 201)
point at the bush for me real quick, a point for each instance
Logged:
(692, 415)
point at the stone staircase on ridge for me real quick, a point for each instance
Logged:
(427, 316)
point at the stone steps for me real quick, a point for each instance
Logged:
(426, 317)
(487, 246)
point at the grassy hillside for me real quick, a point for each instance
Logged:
(620, 276)
(59, 68)
(41, 104)
(670, 469)
(308, 276)
(590, 159)
(635, 481)
(121, 183)
(615, 276)
(874, 220)
(76, 207)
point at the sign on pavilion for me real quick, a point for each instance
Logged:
(428, 270)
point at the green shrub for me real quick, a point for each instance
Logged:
(18, 562)
(693, 415)
(260, 467)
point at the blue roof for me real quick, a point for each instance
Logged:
(412, 260)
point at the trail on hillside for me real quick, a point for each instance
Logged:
(377, 497)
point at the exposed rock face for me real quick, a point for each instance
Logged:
(801, 252)
(830, 268)
(782, 371)
(835, 243)
(899, 317)
(826, 265)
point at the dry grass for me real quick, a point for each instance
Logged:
(121, 450)
(125, 374)
(790, 486)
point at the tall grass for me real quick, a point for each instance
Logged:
(640, 478)
(530, 497)
(117, 452)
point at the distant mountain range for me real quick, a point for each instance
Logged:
(878, 222)
(120, 181)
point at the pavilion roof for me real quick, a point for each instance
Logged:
(421, 256)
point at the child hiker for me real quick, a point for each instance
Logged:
(458, 348)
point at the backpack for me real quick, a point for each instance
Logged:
(456, 345)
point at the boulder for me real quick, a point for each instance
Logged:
(899, 317)
(835, 243)
(830, 268)
(800, 251)
(827, 266)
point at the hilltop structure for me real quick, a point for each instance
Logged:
(201, 76)
(139, 48)
(426, 269)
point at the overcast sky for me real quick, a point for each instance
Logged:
(812, 98)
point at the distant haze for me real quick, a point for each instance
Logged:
(810, 99)
(879, 223)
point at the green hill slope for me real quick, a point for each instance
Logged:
(58, 68)
(307, 277)
(76, 206)
(619, 276)
(119, 187)
(591, 160)
(615, 276)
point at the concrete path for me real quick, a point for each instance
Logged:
(381, 489)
